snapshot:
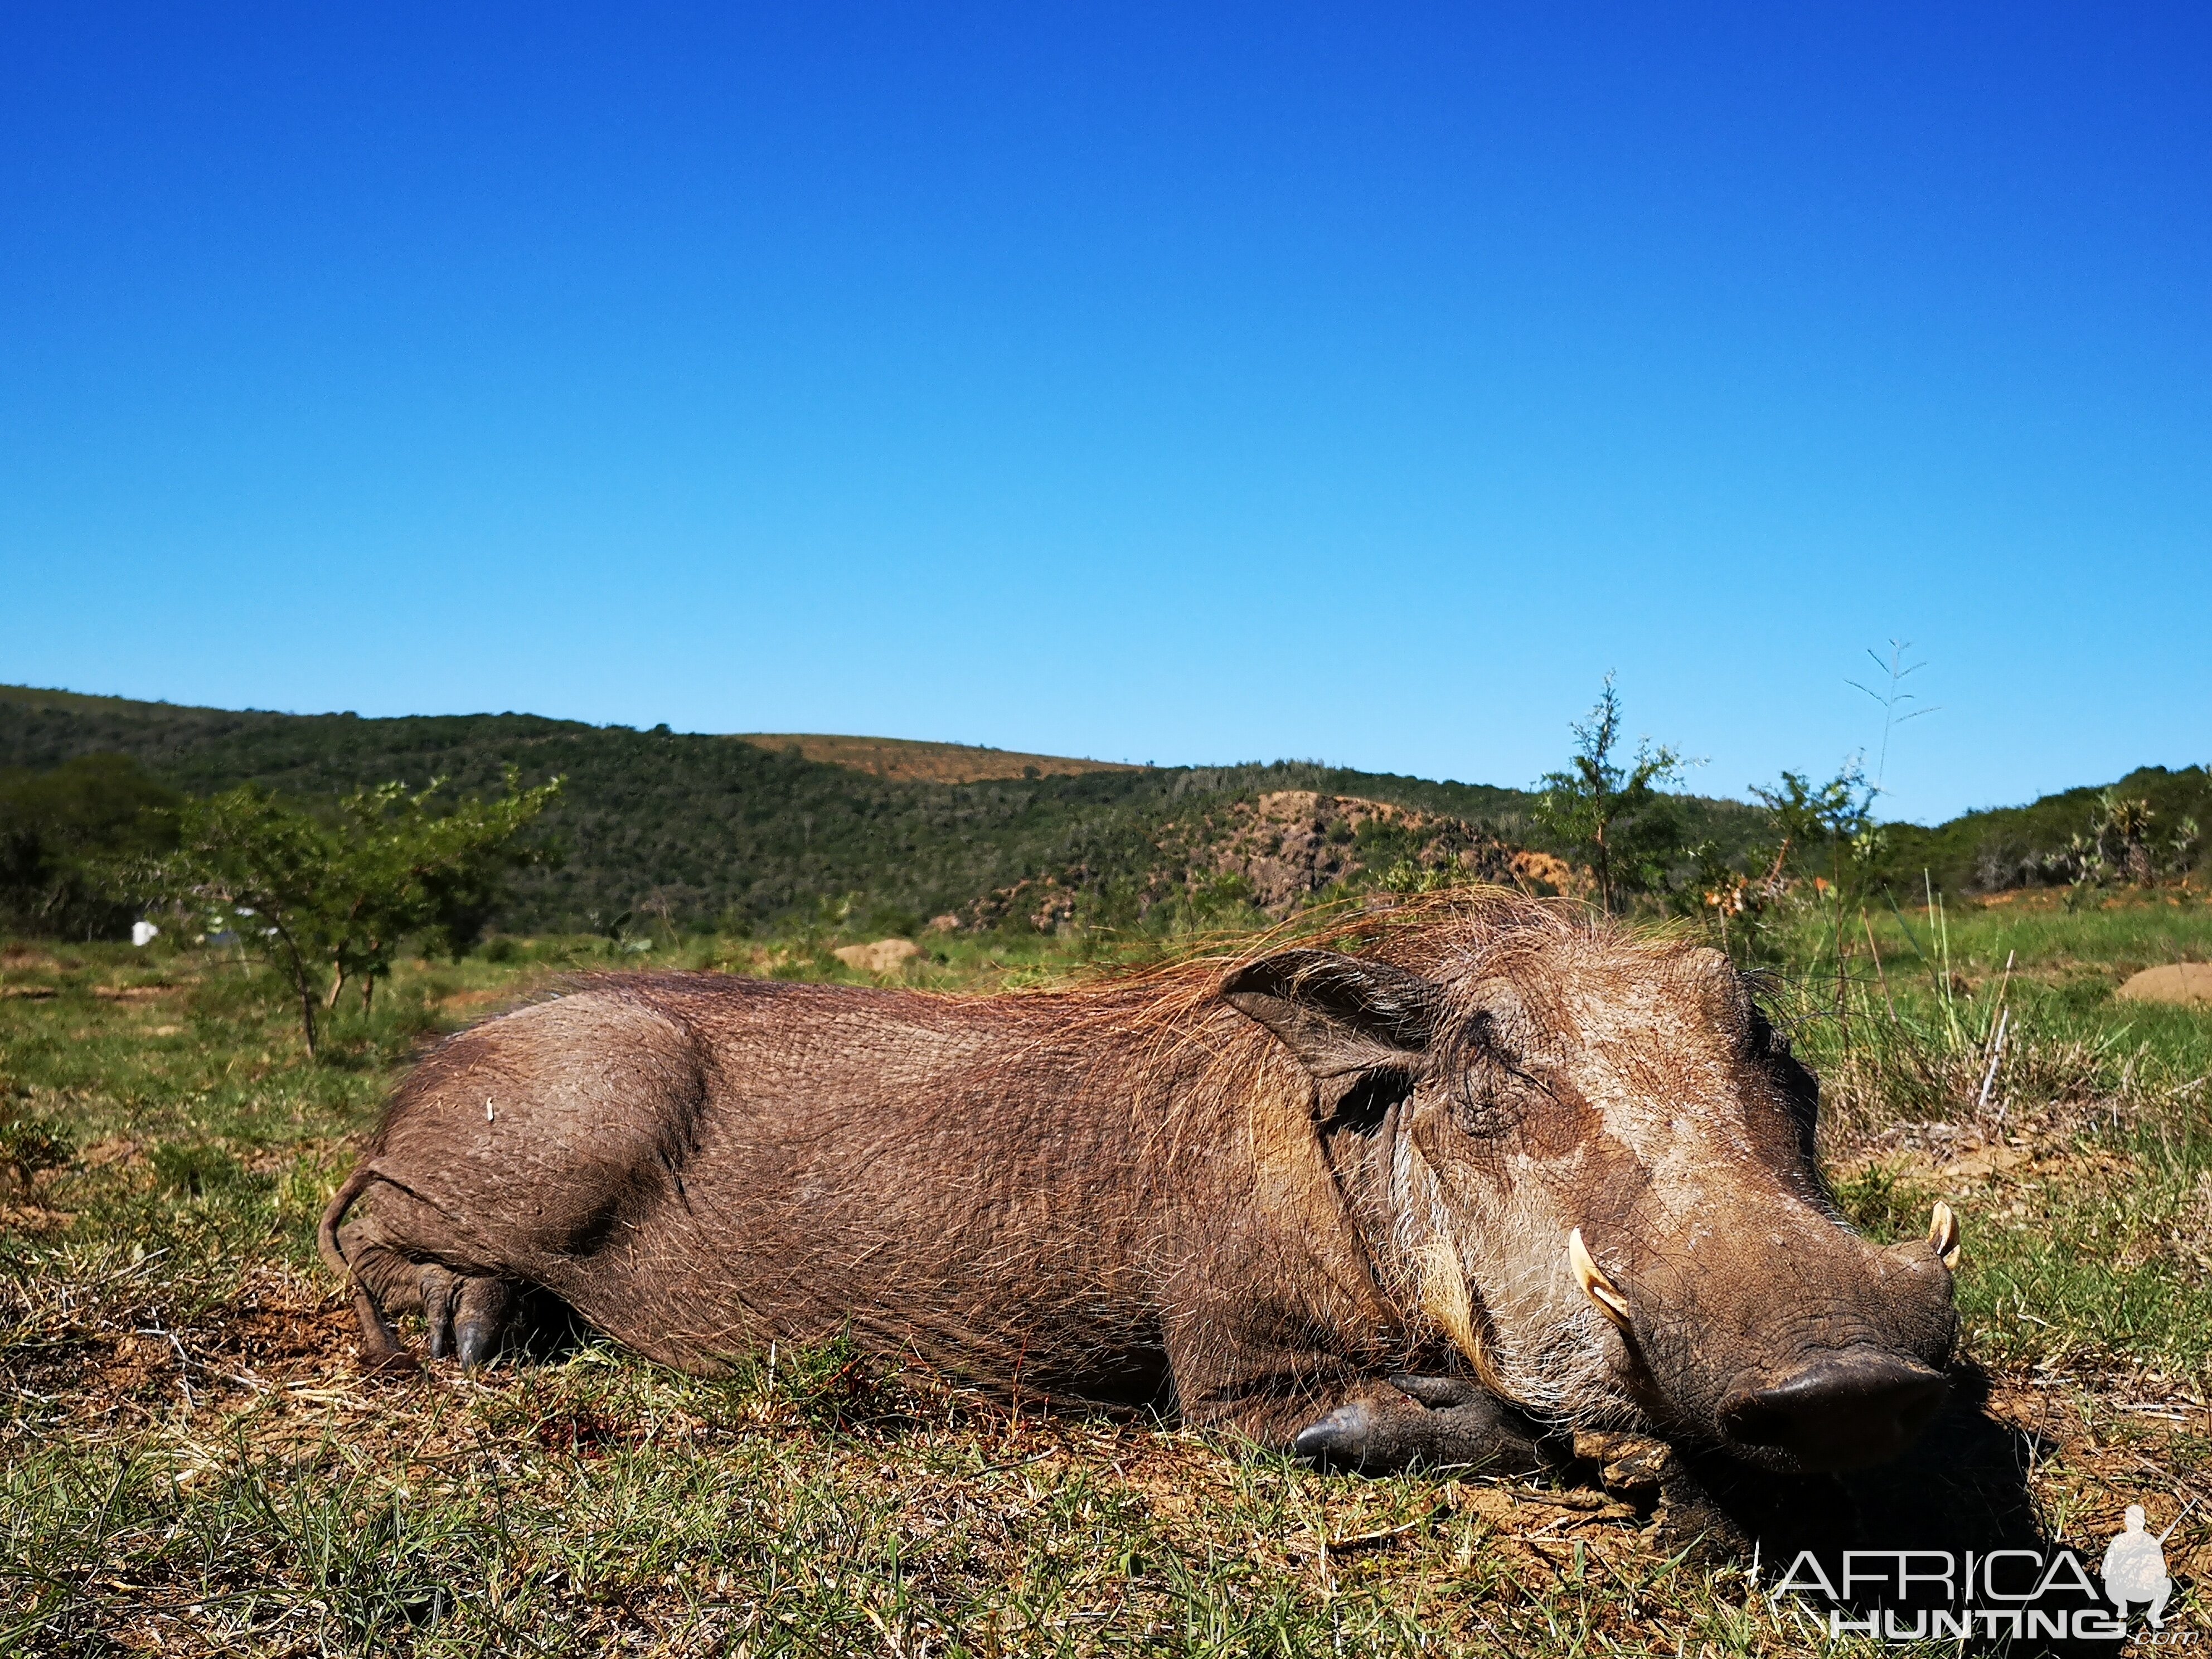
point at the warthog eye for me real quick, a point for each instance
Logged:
(1490, 1099)
(1482, 1109)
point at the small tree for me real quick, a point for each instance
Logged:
(2182, 845)
(2120, 843)
(405, 868)
(267, 866)
(312, 896)
(2128, 819)
(1838, 814)
(1596, 804)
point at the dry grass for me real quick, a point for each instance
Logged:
(929, 763)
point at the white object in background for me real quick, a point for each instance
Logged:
(142, 933)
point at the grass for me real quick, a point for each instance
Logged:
(189, 1462)
(2079, 1150)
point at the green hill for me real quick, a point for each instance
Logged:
(742, 830)
(739, 830)
(1989, 850)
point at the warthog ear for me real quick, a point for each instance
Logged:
(1338, 1014)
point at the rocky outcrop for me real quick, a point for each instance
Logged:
(1045, 903)
(1291, 845)
(1285, 848)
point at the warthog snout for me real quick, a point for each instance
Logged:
(1796, 1344)
(1841, 1411)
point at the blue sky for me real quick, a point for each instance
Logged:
(1179, 384)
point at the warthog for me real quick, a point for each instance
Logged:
(1488, 1169)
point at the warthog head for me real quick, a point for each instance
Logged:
(1593, 1161)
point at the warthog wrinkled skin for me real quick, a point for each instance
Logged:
(1330, 1197)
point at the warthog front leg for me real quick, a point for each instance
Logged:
(398, 1256)
(465, 1316)
(1380, 1428)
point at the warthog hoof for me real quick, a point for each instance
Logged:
(466, 1318)
(1429, 1421)
(480, 1319)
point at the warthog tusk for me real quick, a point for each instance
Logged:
(1596, 1286)
(1943, 1234)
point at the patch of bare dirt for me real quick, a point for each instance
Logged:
(2188, 983)
(929, 763)
(288, 1336)
(2103, 1443)
(586, 1433)
(1974, 1158)
(130, 1358)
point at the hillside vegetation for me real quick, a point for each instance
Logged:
(2001, 847)
(742, 831)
